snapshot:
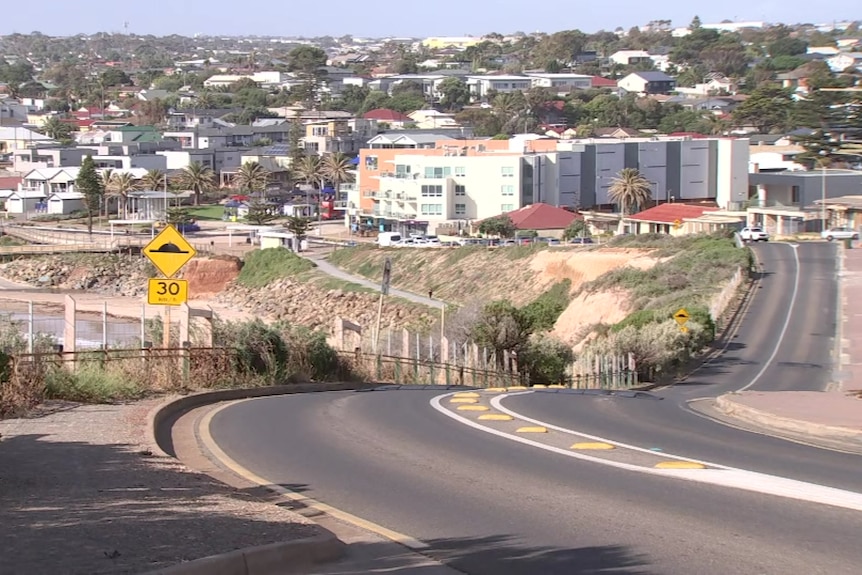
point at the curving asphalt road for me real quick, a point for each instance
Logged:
(489, 505)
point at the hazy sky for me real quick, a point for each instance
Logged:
(391, 18)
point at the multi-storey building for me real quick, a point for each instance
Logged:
(454, 182)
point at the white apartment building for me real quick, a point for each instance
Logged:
(455, 185)
(562, 82)
(440, 189)
(480, 86)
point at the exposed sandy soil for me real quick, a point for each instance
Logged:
(519, 276)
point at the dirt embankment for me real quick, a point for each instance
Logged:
(208, 277)
(518, 274)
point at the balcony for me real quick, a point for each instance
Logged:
(346, 187)
(370, 194)
(393, 175)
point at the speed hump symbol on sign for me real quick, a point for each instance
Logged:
(162, 291)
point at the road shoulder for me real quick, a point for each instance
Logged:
(82, 492)
(832, 420)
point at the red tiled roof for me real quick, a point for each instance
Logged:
(602, 82)
(384, 115)
(10, 183)
(542, 217)
(668, 213)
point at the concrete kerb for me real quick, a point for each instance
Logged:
(175, 406)
(731, 408)
(273, 559)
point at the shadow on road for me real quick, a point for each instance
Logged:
(78, 508)
(498, 555)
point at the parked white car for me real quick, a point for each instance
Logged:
(839, 234)
(753, 234)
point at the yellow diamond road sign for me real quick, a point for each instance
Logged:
(681, 316)
(169, 251)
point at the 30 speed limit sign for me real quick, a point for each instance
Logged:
(162, 291)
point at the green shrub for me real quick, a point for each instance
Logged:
(636, 319)
(545, 360)
(543, 312)
(91, 383)
(262, 267)
(259, 348)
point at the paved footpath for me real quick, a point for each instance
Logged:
(833, 415)
(81, 494)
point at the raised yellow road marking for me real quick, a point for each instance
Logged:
(466, 394)
(540, 386)
(593, 445)
(680, 465)
(517, 388)
(463, 400)
(495, 389)
(496, 417)
(557, 386)
(532, 429)
(472, 408)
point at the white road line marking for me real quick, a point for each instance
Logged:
(720, 476)
(784, 327)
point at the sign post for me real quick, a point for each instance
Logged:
(682, 317)
(170, 252)
(384, 290)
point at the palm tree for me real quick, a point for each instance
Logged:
(337, 169)
(119, 187)
(252, 177)
(198, 178)
(153, 180)
(630, 190)
(204, 100)
(310, 171)
(106, 176)
(56, 129)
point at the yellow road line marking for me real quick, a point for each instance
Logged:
(463, 400)
(210, 444)
(472, 408)
(532, 429)
(496, 417)
(680, 465)
(593, 445)
(517, 388)
(495, 389)
(466, 394)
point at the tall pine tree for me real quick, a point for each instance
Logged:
(90, 185)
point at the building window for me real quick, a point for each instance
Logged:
(507, 172)
(431, 209)
(371, 163)
(507, 190)
(402, 171)
(437, 173)
(431, 191)
(794, 194)
(460, 190)
(507, 207)
(460, 172)
(460, 209)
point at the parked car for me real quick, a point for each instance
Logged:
(753, 234)
(581, 241)
(839, 234)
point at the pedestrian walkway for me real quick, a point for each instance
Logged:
(832, 415)
(329, 269)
